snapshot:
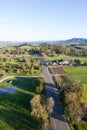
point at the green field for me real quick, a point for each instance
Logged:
(77, 73)
(15, 108)
(82, 78)
(82, 59)
(57, 57)
(73, 70)
(81, 127)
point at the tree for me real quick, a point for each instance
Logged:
(83, 93)
(40, 85)
(77, 61)
(72, 107)
(72, 86)
(41, 110)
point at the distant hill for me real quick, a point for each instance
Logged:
(68, 41)
(76, 41)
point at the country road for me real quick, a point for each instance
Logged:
(58, 119)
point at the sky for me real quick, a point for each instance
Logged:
(39, 20)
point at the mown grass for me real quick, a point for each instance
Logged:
(57, 57)
(15, 108)
(81, 127)
(82, 59)
(80, 78)
(73, 70)
(77, 73)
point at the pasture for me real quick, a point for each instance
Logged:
(15, 108)
(77, 73)
(81, 127)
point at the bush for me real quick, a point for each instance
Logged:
(39, 89)
(41, 108)
(77, 61)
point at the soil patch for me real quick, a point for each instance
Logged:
(58, 70)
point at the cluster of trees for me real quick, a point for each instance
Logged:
(72, 105)
(48, 49)
(14, 50)
(41, 109)
(11, 62)
(54, 49)
(29, 67)
(83, 98)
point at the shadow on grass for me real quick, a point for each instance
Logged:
(15, 108)
(25, 92)
(18, 120)
(28, 84)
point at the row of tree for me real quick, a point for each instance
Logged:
(71, 101)
(41, 107)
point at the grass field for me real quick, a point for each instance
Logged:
(82, 59)
(81, 127)
(15, 108)
(57, 57)
(81, 71)
(72, 70)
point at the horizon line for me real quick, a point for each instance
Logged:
(42, 40)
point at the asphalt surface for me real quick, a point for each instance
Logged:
(58, 119)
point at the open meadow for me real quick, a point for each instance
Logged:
(15, 108)
(77, 73)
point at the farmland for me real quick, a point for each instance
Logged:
(77, 73)
(22, 60)
(15, 108)
(82, 127)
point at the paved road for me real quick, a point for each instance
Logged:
(58, 119)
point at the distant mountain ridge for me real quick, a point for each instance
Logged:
(68, 41)
(75, 40)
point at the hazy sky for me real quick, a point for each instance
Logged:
(33, 20)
